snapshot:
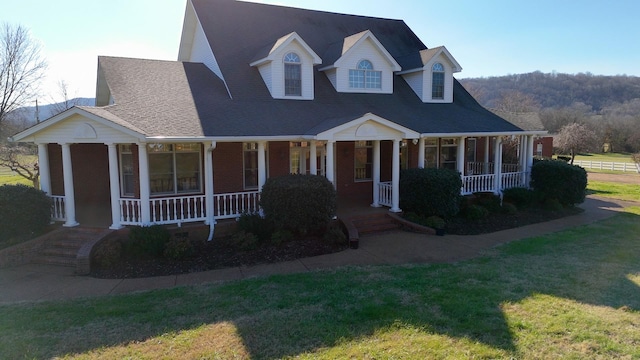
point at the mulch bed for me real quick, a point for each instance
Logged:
(223, 253)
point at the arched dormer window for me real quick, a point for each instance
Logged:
(364, 77)
(437, 81)
(292, 75)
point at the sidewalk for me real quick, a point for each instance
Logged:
(42, 282)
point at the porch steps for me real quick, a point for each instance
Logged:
(374, 223)
(63, 248)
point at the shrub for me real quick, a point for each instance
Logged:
(476, 212)
(335, 234)
(147, 241)
(299, 203)
(24, 211)
(178, 248)
(509, 208)
(552, 205)
(257, 225)
(521, 197)
(435, 222)
(564, 158)
(489, 201)
(281, 236)
(559, 180)
(245, 240)
(430, 191)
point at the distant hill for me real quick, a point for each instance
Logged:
(46, 111)
(557, 90)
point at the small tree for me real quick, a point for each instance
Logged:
(574, 138)
(636, 159)
(21, 160)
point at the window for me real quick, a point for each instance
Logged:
(437, 81)
(430, 153)
(364, 77)
(250, 166)
(363, 156)
(448, 153)
(126, 171)
(471, 150)
(292, 75)
(539, 149)
(174, 168)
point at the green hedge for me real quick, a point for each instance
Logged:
(299, 203)
(430, 192)
(555, 179)
(24, 211)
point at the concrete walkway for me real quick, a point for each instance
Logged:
(41, 282)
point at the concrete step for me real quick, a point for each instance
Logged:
(374, 223)
(63, 248)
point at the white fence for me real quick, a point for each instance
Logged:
(57, 208)
(613, 166)
(232, 205)
(486, 183)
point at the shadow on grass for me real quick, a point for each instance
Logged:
(288, 315)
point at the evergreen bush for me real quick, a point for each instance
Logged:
(430, 192)
(561, 181)
(24, 211)
(147, 241)
(301, 204)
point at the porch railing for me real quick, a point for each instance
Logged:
(514, 179)
(130, 212)
(232, 205)
(482, 168)
(177, 210)
(478, 183)
(57, 208)
(384, 193)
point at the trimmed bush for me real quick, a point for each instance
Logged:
(489, 201)
(476, 212)
(24, 211)
(178, 248)
(509, 208)
(335, 235)
(147, 241)
(245, 240)
(280, 237)
(434, 222)
(430, 192)
(257, 225)
(561, 181)
(301, 204)
(521, 197)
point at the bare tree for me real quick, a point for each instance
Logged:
(574, 138)
(21, 68)
(516, 102)
(21, 160)
(636, 159)
(65, 101)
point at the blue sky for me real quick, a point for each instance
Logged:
(488, 38)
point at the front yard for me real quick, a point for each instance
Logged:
(573, 294)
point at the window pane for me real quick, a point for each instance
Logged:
(356, 79)
(188, 172)
(161, 173)
(437, 89)
(363, 156)
(431, 157)
(126, 169)
(292, 79)
(374, 79)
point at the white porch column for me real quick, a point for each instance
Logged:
(376, 173)
(421, 153)
(145, 191)
(497, 164)
(486, 154)
(313, 158)
(331, 161)
(262, 164)
(529, 158)
(460, 157)
(114, 186)
(208, 187)
(395, 178)
(43, 164)
(69, 196)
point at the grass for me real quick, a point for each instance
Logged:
(13, 179)
(619, 191)
(605, 157)
(573, 294)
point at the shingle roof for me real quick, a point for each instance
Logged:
(171, 98)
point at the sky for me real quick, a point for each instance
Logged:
(487, 38)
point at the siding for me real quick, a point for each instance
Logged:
(273, 73)
(78, 129)
(415, 82)
(366, 51)
(201, 52)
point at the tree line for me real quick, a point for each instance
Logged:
(606, 106)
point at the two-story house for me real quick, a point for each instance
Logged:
(260, 91)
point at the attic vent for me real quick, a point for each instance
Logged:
(85, 131)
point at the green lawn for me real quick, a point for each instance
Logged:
(573, 294)
(13, 179)
(620, 191)
(605, 157)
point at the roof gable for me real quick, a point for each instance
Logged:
(350, 45)
(281, 44)
(428, 56)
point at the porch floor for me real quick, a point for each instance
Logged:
(347, 208)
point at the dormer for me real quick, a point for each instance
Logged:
(362, 65)
(286, 68)
(433, 82)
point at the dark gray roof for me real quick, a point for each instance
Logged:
(170, 98)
